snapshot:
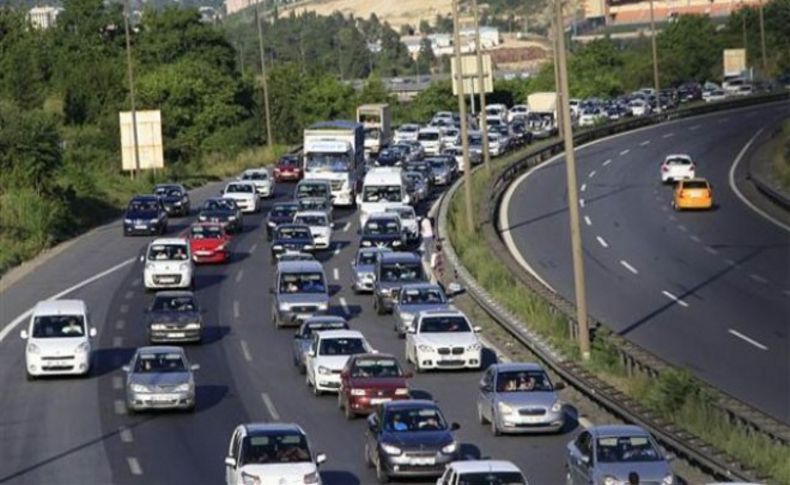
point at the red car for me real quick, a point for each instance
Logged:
(368, 380)
(209, 243)
(289, 167)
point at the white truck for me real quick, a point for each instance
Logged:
(334, 151)
(377, 122)
(542, 118)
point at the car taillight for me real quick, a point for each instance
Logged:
(682, 194)
(664, 168)
(692, 167)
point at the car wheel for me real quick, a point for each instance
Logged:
(348, 412)
(494, 427)
(275, 320)
(381, 473)
(379, 307)
(130, 410)
(316, 391)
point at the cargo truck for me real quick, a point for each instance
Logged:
(376, 119)
(334, 151)
(542, 117)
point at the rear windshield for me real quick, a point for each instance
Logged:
(695, 184)
(401, 272)
(428, 136)
(310, 329)
(58, 326)
(143, 205)
(376, 368)
(523, 381)
(626, 449)
(367, 257)
(312, 220)
(678, 161)
(417, 296)
(312, 190)
(168, 192)
(219, 204)
(302, 283)
(491, 478)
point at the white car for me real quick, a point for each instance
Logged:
(431, 140)
(244, 193)
(451, 137)
(407, 132)
(677, 167)
(58, 339)
(591, 116)
(495, 144)
(264, 183)
(327, 356)
(443, 117)
(443, 339)
(271, 453)
(639, 107)
(518, 110)
(320, 227)
(408, 220)
(712, 95)
(482, 471)
(168, 264)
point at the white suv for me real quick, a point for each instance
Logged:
(443, 339)
(58, 339)
(320, 227)
(264, 184)
(168, 264)
(244, 193)
(677, 167)
(489, 471)
(327, 356)
(431, 140)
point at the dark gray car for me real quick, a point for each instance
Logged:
(174, 316)
(304, 336)
(393, 270)
(363, 269)
(300, 291)
(412, 300)
(160, 378)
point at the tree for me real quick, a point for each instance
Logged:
(21, 74)
(30, 148)
(438, 97)
(689, 49)
(374, 91)
(426, 57)
(425, 27)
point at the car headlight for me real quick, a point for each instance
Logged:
(247, 479)
(474, 347)
(271, 224)
(402, 391)
(183, 267)
(33, 349)
(556, 407)
(396, 243)
(323, 307)
(357, 392)
(406, 316)
(128, 221)
(182, 387)
(277, 247)
(668, 480)
(610, 480)
(231, 218)
(324, 370)
(450, 449)
(138, 388)
(390, 450)
(177, 203)
(153, 221)
(284, 307)
(504, 408)
(83, 347)
(366, 243)
(424, 348)
(202, 218)
(311, 478)
(158, 326)
(192, 326)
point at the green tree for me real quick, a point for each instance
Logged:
(426, 57)
(21, 74)
(689, 49)
(374, 91)
(30, 148)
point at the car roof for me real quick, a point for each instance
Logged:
(410, 403)
(678, 155)
(324, 319)
(144, 197)
(293, 226)
(161, 349)
(173, 293)
(383, 215)
(341, 334)
(610, 430)
(168, 186)
(695, 179)
(311, 214)
(471, 466)
(299, 266)
(373, 355)
(168, 240)
(60, 307)
(420, 286)
(242, 182)
(399, 257)
(313, 181)
(440, 312)
(267, 428)
(517, 366)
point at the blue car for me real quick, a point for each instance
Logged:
(146, 215)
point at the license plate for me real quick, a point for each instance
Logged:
(58, 363)
(423, 461)
(167, 279)
(161, 398)
(203, 253)
(375, 401)
(531, 419)
(140, 226)
(176, 334)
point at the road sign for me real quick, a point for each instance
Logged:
(149, 140)
(734, 61)
(471, 82)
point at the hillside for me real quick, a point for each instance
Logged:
(396, 13)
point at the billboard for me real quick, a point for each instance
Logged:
(469, 69)
(734, 62)
(149, 140)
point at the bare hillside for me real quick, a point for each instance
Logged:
(396, 12)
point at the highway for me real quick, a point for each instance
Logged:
(76, 431)
(709, 291)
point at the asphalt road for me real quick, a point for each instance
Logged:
(75, 431)
(709, 291)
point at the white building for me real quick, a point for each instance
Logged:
(43, 17)
(489, 36)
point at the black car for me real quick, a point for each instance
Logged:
(175, 199)
(145, 214)
(282, 213)
(521, 131)
(409, 438)
(292, 238)
(389, 157)
(382, 230)
(222, 211)
(422, 167)
(393, 270)
(174, 316)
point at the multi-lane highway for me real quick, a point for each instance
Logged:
(76, 431)
(709, 291)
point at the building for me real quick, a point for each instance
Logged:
(43, 17)
(209, 15)
(489, 36)
(233, 6)
(638, 11)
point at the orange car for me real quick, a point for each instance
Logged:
(692, 194)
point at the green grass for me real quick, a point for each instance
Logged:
(780, 162)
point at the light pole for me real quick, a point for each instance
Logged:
(269, 140)
(573, 196)
(482, 88)
(459, 80)
(130, 70)
(557, 32)
(655, 56)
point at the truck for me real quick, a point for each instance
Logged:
(334, 151)
(542, 116)
(377, 121)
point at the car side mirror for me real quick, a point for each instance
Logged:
(92, 332)
(142, 259)
(230, 461)
(320, 458)
(23, 334)
(411, 330)
(126, 368)
(486, 387)
(477, 329)
(455, 427)
(194, 367)
(311, 353)
(558, 386)
(373, 423)
(585, 459)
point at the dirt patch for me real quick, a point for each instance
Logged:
(396, 13)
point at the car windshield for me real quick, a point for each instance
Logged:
(376, 368)
(452, 324)
(168, 192)
(159, 362)
(313, 204)
(174, 304)
(491, 478)
(409, 128)
(417, 296)
(401, 272)
(206, 232)
(296, 257)
(167, 252)
(255, 176)
(438, 164)
(381, 227)
(239, 188)
(341, 346)
(428, 136)
(219, 205)
(302, 283)
(332, 162)
(58, 326)
(143, 205)
(523, 381)
(626, 449)
(312, 220)
(382, 193)
(312, 328)
(288, 161)
(403, 212)
(312, 190)
(367, 258)
(695, 184)
(285, 447)
(289, 233)
(283, 211)
(425, 419)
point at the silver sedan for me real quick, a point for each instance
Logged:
(160, 378)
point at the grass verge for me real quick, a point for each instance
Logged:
(780, 161)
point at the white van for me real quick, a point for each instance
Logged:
(168, 264)
(431, 140)
(58, 339)
(382, 188)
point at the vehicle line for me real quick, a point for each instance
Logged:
(124, 308)
(246, 351)
(674, 298)
(606, 162)
(129, 295)
(587, 220)
(119, 407)
(586, 423)
(711, 250)
(336, 274)
(758, 278)
(664, 208)
(125, 434)
(592, 174)
(134, 465)
(625, 152)
(337, 249)
(644, 143)
(267, 401)
(667, 135)
(346, 226)
(136, 282)
(673, 218)
(746, 339)
(117, 382)
(695, 238)
(602, 241)
(731, 262)
(583, 187)
(120, 323)
(236, 312)
(682, 228)
(253, 248)
(239, 275)
(344, 304)
(628, 266)
(117, 341)
(581, 202)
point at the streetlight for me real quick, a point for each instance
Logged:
(459, 80)
(557, 31)
(655, 56)
(263, 76)
(130, 71)
(481, 87)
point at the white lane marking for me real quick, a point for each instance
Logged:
(673, 218)
(124, 308)
(747, 339)
(117, 341)
(246, 351)
(117, 383)
(129, 295)
(336, 274)
(236, 311)
(607, 162)
(682, 228)
(731, 262)
(711, 250)
(602, 241)
(126, 435)
(583, 187)
(586, 423)
(644, 143)
(581, 202)
(134, 466)
(674, 298)
(344, 304)
(758, 278)
(664, 208)
(738, 192)
(253, 248)
(337, 250)
(119, 407)
(695, 238)
(120, 324)
(136, 282)
(267, 401)
(587, 220)
(625, 152)
(695, 127)
(346, 226)
(239, 275)
(627, 266)
(668, 135)
(592, 174)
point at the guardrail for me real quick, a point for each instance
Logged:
(635, 359)
(766, 187)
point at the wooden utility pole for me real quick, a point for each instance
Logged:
(459, 80)
(130, 73)
(481, 87)
(269, 140)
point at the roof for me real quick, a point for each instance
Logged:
(617, 430)
(161, 349)
(450, 310)
(313, 181)
(299, 266)
(470, 466)
(265, 428)
(401, 256)
(286, 204)
(341, 334)
(383, 174)
(383, 215)
(60, 307)
(173, 293)
(412, 286)
(517, 366)
(168, 240)
(342, 124)
(410, 403)
(324, 319)
(169, 185)
(678, 155)
(257, 170)
(312, 214)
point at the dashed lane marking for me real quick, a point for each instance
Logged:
(644, 143)
(602, 241)
(117, 383)
(246, 351)
(126, 434)
(117, 341)
(136, 282)
(673, 218)
(695, 127)
(346, 226)
(625, 152)
(711, 250)
(337, 249)
(119, 407)
(758, 278)
(253, 248)
(627, 266)
(134, 466)
(682, 228)
(119, 324)
(267, 401)
(236, 311)
(606, 162)
(583, 187)
(581, 202)
(746, 339)
(239, 275)
(592, 174)
(587, 220)
(129, 295)
(344, 305)
(674, 298)
(124, 308)
(667, 135)
(336, 274)
(695, 238)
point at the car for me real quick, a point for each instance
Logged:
(519, 397)
(174, 197)
(431, 140)
(291, 238)
(382, 230)
(441, 171)
(313, 188)
(496, 144)
(389, 157)
(271, 453)
(289, 167)
(369, 380)
(677, 167)
(363, 268)
(209, 243)
(607, 454)
(414, 149)
(713, 95)
(145, 214)
(174, 316)
(517, 111)
(244, 194)
(280, 213)
(316, 204)
(168, 264)
(224, 212)
(424, 169)
(695, 193)
(299, 292)
(450, 137)
(393, 270)
(410, 223)
(304, 335)
(416, 186)
(443, 339)
(408, 131)
(328, 353)
(264, 184)
(482, 472)
(58, 339)
(410, 438)
(320, 227)
(413, 299)
(160, 377)
(288, 256)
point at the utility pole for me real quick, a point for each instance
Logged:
(743, 28)
(459, 80)
(481, 86)
(762, 40)
(655, 56)
(269, 140)
(130, 69)
(557, 32)
(573, 197)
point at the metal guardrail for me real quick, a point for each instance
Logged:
(684, 444)
(766, 187)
